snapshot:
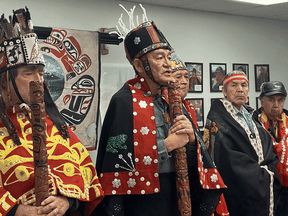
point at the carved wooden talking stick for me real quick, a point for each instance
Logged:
(39, 141)
(180, 156)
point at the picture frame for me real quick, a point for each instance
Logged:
(241, 67)
(217, 73)
(195, 71)
(198, 104)
(262, 75)
(258, 103)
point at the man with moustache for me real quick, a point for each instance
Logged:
(242, 151)
(274, 118)
(72, 183)
(202, 191)
(135, 151)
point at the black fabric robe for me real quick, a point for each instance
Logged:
(119, 120)
(248, 185)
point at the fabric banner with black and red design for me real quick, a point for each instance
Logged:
(72, 71)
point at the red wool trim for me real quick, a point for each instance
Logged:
(191, 111)
(280, 148)
(209, 177)
(7, 202)
(144, 179)
(221, 208)
(68, 182)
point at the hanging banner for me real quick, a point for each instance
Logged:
(72, 71)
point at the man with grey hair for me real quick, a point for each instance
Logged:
(242, 151)
(274, 118)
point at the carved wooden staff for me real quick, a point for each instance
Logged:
(180, 156)
(39, 141)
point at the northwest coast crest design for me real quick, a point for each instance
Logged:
(66, 65)
(66, 158)
(20, 51)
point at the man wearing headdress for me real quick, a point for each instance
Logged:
(72, 180)
(134, 161)
(274, 118)
(242, 151)
(205, 166)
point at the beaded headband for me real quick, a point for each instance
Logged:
(19, 45)
(235, 75)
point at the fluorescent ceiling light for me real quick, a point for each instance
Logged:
(264, 2)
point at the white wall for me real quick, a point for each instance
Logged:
(196, 36)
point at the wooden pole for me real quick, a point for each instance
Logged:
(39, 141)
(180, 156)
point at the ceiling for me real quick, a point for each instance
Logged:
(276, 12)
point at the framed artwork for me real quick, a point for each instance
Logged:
(261, 75)
(198, 104)
(241, 67)
(195, 71)
(73, 76)
(217, 73)
(258, 103)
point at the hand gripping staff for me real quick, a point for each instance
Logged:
(180, 156)
(39, 141)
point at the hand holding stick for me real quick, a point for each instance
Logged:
(39, 141)
(180, 156)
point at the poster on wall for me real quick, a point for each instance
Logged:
(261, 75)
(198, 105)
(195, 71)
(217, 73)
(72, 72)
(241, 67)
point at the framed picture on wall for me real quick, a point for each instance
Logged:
(195, 71)
(198, 104)
(217, 73)
(261, 75)
(241, 67)
(258, 103)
